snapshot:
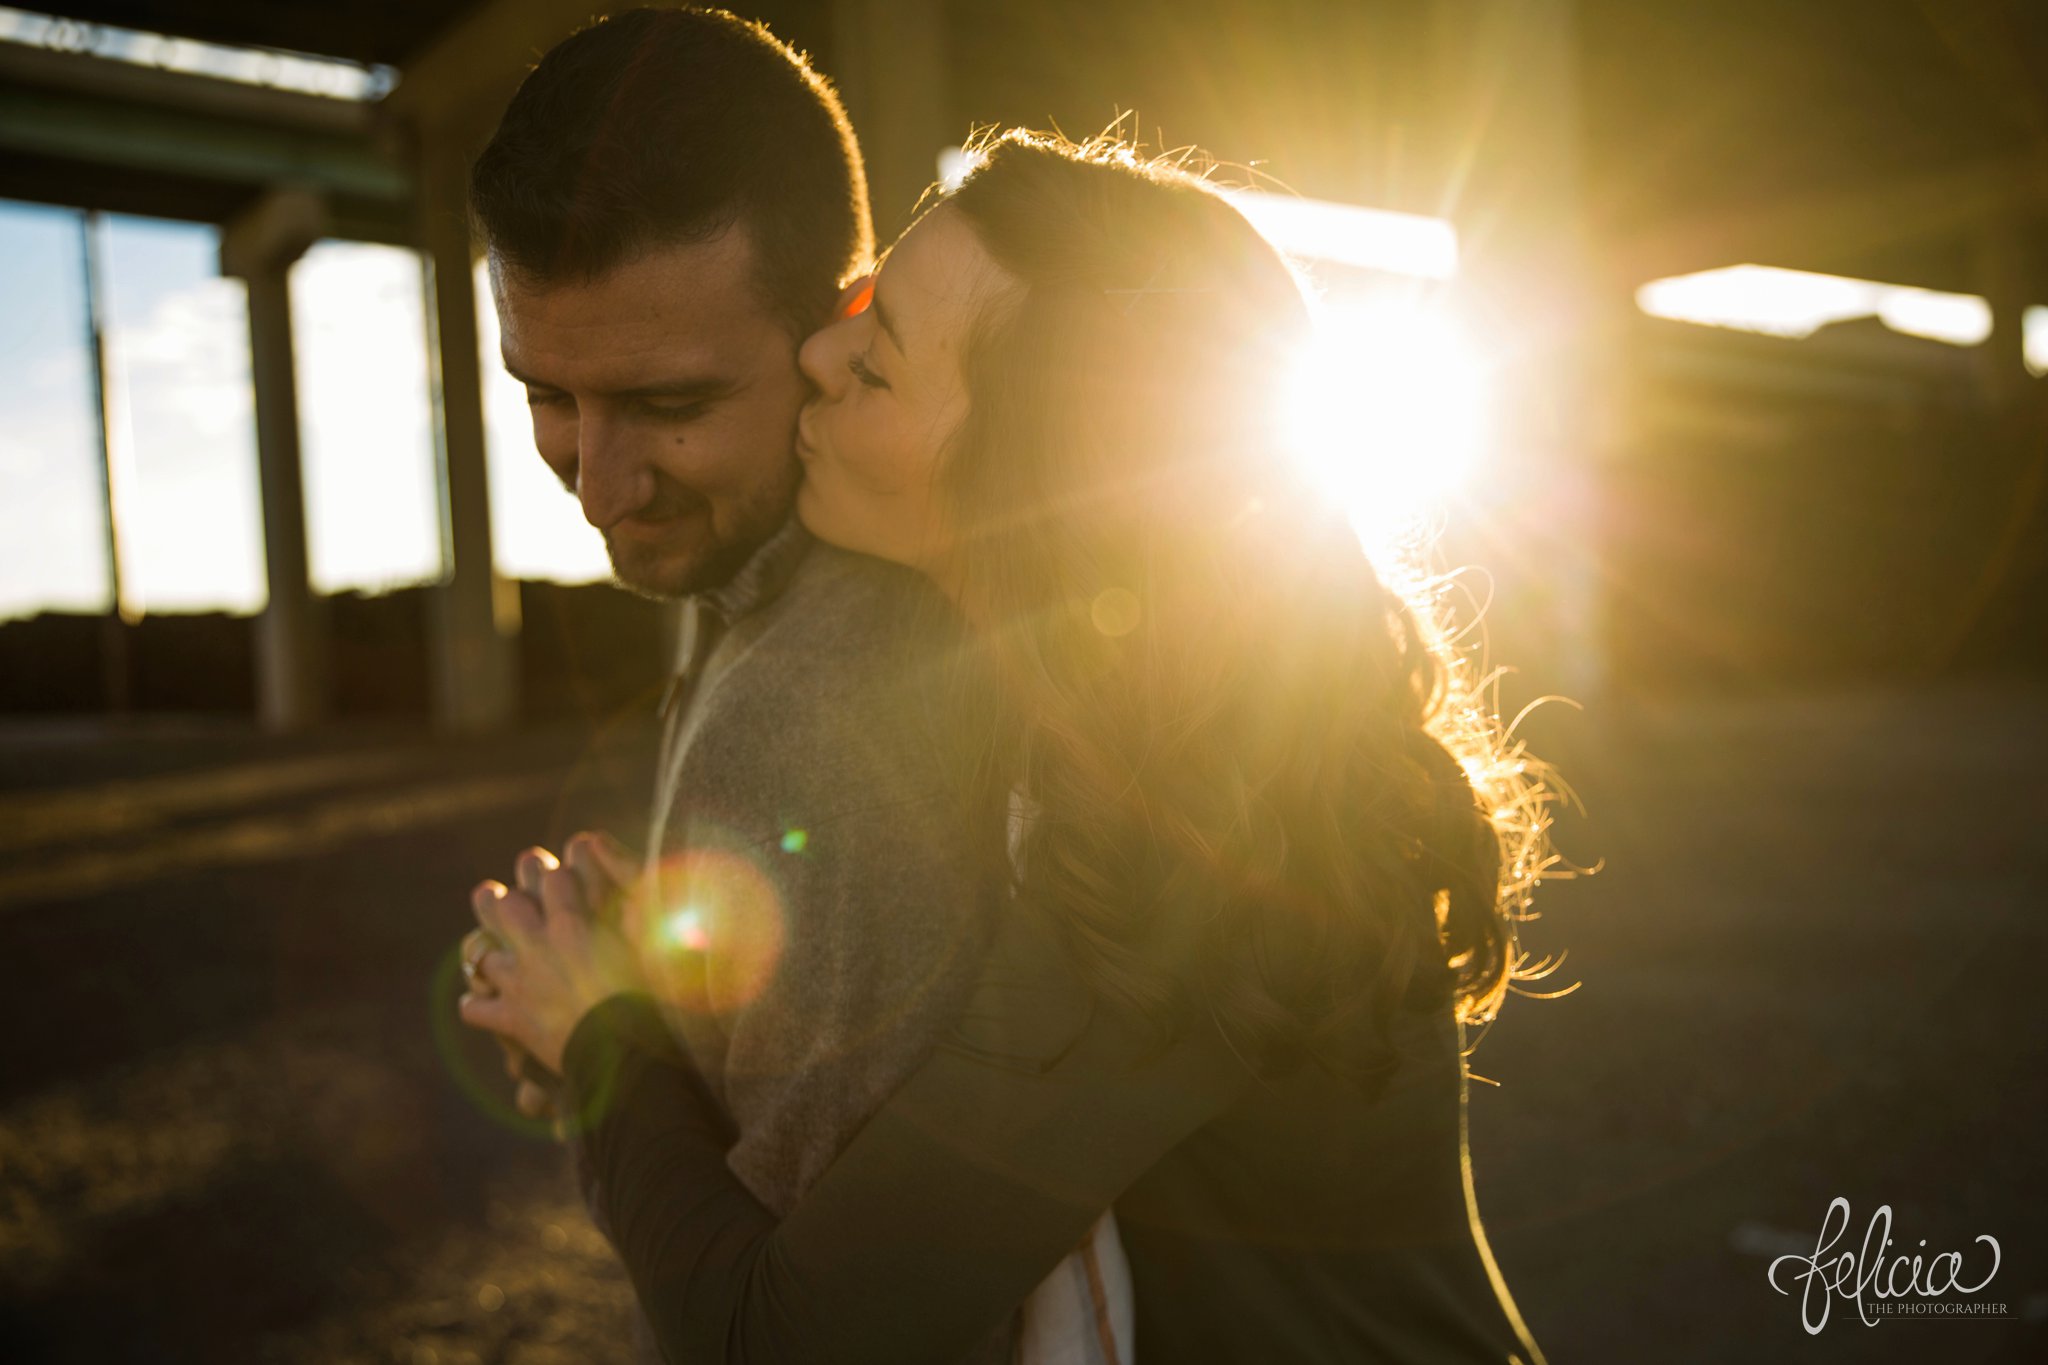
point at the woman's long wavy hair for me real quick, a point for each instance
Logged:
(1266, 792)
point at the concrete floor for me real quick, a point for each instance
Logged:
(229, 1128)
(1810, 969)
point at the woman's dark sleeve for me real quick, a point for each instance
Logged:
(956, 1199)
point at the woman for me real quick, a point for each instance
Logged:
(1260, 896)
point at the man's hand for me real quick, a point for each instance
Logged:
(534, 1096)
(549, 949)
(605, 871)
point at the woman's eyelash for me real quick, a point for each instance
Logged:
(858, 365)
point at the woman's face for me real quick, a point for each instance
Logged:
(890, 395)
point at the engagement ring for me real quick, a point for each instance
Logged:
(477, 945)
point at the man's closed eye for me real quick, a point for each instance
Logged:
(673, 411)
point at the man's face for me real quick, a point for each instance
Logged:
(664, 395)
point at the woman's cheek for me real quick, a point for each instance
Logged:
(867, 445)
(902, 461)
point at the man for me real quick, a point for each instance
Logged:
(671, 203)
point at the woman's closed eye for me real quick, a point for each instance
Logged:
(858, 366)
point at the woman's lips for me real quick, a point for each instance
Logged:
(805, 449)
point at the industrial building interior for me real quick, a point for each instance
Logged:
(1712, 338)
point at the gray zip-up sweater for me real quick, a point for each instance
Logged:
(802, 812)
(806, 791)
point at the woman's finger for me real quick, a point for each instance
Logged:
(515, 1058)
(612, 876)
(600, 888)
(474, 945)
(619, 865)
(486, 1012)
(506, 913)
(497, 969)
(561, 895)
(484, 901)
(514, 917)
(530, 866)
(533, 1101)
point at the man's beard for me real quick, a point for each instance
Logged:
(694, 558)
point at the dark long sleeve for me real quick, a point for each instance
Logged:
(956, 1199)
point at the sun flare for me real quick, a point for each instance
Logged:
(1387, 412)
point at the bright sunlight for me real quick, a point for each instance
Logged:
(1388, 411)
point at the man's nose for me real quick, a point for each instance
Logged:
(612, 482)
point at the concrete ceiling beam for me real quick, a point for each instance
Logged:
(118, 133)
(1829, 230)
(98, 78)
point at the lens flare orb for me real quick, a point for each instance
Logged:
(715, 937)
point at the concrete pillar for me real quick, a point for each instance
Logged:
(291, 664)
(475, 622)
(115, 671)
(890, 62)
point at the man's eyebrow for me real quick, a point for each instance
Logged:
(688, 389)
(708, 387)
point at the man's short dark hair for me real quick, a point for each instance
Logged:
(658, 127)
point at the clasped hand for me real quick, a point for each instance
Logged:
(547, 951)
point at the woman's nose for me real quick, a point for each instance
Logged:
(822, 358)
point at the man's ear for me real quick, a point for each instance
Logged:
(855, 297)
